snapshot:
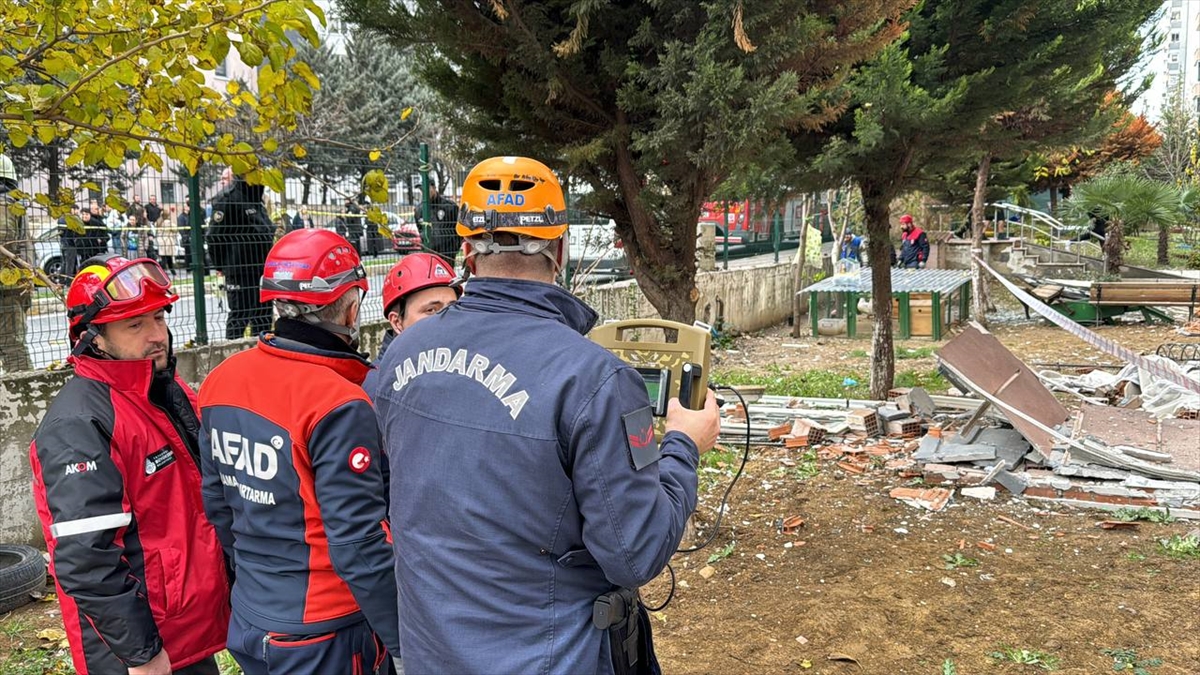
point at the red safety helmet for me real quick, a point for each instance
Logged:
(415, 272)
(311, 268)
(110, 288)
(906, 218)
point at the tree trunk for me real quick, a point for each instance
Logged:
(883, 355)
(1053, 200)
(800, 277)
(980, 302)
(307, 183)
(1164, 237)
(664, 266)
(1114, 246)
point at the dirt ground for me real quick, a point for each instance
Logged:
(865, 576)
(863, 586)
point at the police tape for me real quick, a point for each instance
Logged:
(1103, 344)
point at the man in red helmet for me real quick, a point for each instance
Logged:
(914, 244)
(417, 287)
(292, 475)
(140, 576)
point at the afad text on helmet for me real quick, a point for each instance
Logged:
(478, 367)
(506, 199)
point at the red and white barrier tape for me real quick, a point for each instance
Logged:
(1104, 345)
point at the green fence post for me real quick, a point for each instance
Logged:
(937, 315)
(195, 223)
(905, 316)
(426, 211)
(812, 313)
(776, 231)
(851, 314)
(725, 252)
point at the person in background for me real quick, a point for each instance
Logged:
(71, 243)
(416, 288)
(851, 247)
(168, 241)
(914, 244)
(16, 298)
(140, 575)
(239, 237)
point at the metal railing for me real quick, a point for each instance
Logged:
(1078, 239)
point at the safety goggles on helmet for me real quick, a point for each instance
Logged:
(124, 285)
(316, 284)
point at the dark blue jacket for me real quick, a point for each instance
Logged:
(514, 499)
(914, 248)
(373, 377)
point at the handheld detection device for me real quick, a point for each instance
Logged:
(672, 358)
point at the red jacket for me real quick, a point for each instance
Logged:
(137, 566)
(294, 483)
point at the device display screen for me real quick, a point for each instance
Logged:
(658, 388)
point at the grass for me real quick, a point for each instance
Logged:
(779, 381)
(958, 560)
(806, 467)
(723, 553)
(1026, 657)
(1126, 660)
(1130, 515)
(1180, 547)
(1143, 251)
(27, 655)
(918, 353)
(717, 466)
(948, 667)
(227, 665)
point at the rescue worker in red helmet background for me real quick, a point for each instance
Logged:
(417, 287)
(139, 572)
(293, 481)
(511, 439)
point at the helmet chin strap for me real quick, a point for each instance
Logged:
(307, 312)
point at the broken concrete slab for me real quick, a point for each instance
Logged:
(1013, 482)
(981, 493)
(920, 402)
(928, 447)
(953, 452)
(891, 413)
(1091, 471)
(1143, 453)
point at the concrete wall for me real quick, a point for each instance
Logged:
(747, 298)
(956, 254)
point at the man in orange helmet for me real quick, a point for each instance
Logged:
(292, 479)
(139, 571)
(416, 288)
(512, 470)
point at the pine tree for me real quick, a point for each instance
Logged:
(652, 104)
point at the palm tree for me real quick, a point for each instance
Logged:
(1127, 203)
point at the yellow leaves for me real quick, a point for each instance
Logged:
(17, 137)
(46, 133)
(232, 87)
(298, 151)
(303, 70)
(405, 113)
(374, 155)
(9, 276)
(375, 186)
(270, 145)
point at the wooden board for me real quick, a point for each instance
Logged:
(989, 367)
(1178, 293)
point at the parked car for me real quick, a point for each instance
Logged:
(406, 236)
(47, 253)
(596, 252)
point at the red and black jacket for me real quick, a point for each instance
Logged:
(294, 483)
(116, 479)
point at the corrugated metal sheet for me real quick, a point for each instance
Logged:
(903, 281)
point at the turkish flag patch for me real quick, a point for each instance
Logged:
(639, 437)
(360, 459)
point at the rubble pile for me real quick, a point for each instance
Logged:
(1008, 436)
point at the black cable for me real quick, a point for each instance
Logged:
(725, 498)
(670, 595)
(720, 508)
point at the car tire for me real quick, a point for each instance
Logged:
(22, 571)
(53, 267)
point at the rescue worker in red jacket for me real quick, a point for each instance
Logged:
(417, 287)
(292, 475)
(139, 571)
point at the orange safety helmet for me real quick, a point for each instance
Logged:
(512, 194)
(110, 288)
(311, 269)
(416, 272)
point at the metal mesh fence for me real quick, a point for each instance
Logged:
(212, 243)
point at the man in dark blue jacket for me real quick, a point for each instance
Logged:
(526, 479)
(914, 245)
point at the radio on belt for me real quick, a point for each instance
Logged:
(677, 368)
